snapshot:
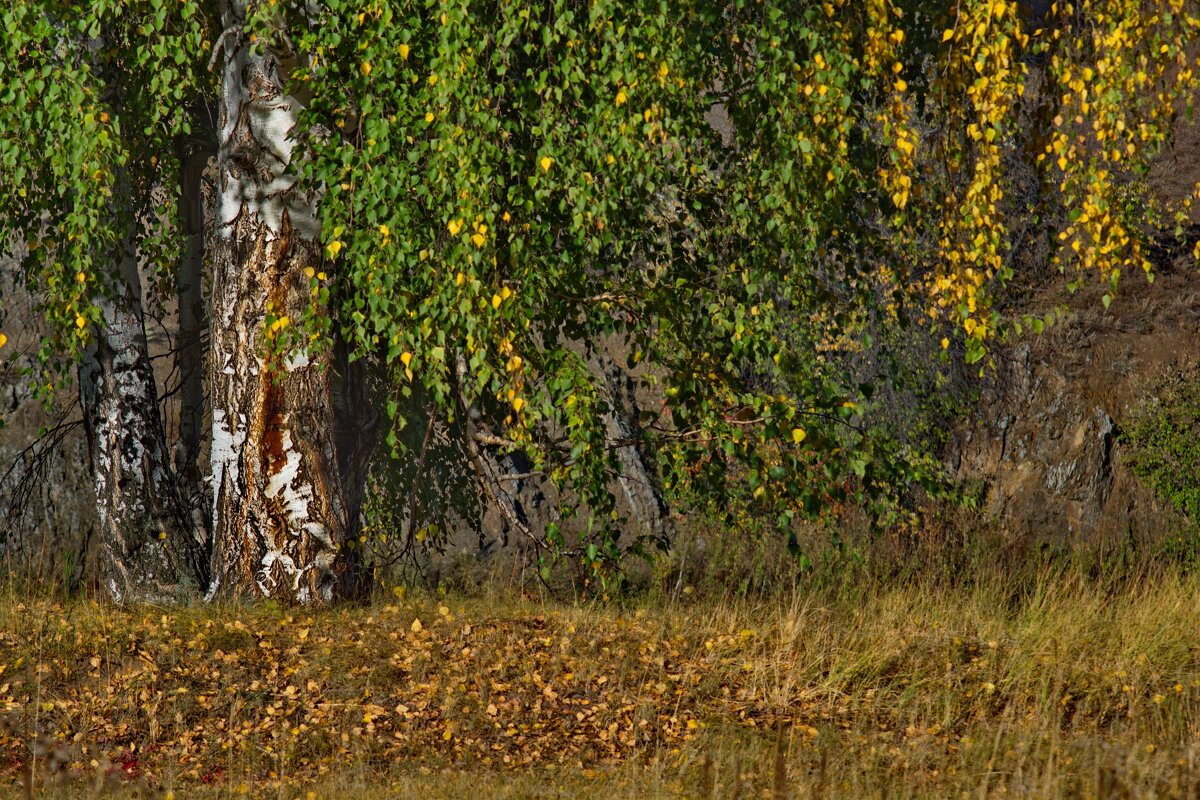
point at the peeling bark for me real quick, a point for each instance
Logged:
(287, 438)
(150, 549)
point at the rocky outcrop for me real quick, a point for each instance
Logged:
(1043, 448)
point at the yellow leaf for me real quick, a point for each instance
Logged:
(334, 248)
(365, 68)
(947, 35)
(3, 340)
(798, 435)
(505, 293)
(448, 735)
(945, 344)
(81, 276)
(81, 322)
(454, 227)
(478, 239)
(546, 162)
(496, 300)
(416, 626)
(384, 231)
(621, 98)
(518, 404)
(404, 51)
(429, 116)
(309, 272)
(514, 363)
(406, 358)
(663, 70)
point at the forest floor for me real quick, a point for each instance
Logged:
(1059, 687)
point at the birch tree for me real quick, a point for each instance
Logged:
(85, 134)
(286, 486)
(471, 195)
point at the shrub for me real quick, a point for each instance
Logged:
(1162, 445)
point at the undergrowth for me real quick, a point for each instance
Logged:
(1060, 686)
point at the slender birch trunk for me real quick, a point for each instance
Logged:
(285, 490)
(189, 355)
(150, 548)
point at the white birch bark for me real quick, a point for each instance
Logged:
(150, 549)
(285, 505)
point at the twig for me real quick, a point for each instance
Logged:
(486, 476)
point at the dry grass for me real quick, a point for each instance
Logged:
(1067, 688)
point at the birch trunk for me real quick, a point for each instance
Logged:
(151, 550)
(189, 356)
(286, 485)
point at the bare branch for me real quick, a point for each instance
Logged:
(216, 51)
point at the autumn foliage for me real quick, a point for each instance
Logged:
(869, 686)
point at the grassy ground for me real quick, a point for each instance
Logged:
(1063, 688)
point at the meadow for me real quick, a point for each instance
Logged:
(1055, 685)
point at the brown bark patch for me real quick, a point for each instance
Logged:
(272, 455)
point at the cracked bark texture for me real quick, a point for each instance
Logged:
(288, 439)
(151, 550)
